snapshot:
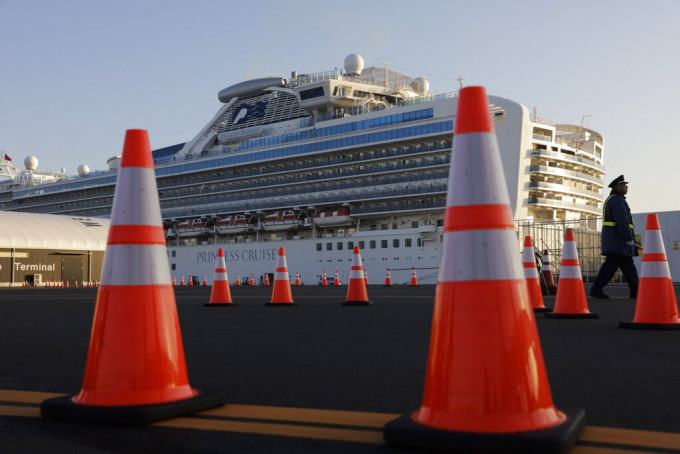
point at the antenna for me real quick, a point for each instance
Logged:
(386, 72)
(579, 141)
(460, 81)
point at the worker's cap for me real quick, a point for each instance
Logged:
(617, 180)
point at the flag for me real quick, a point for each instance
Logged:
(7, 158)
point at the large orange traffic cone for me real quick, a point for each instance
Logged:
(388, 279)
(546, 271)
(656, 306)
(486, 386)
(357, 295)
(531, 276)
(281, 293)
(220, 295)
(414, 278)
(135, 370)
(570, 301)
(336, 280)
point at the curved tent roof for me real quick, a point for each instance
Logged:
(52, 231)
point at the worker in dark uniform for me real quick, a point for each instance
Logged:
(618, 241)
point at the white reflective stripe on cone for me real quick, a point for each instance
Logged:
(127, 264)
(220, 277)
(356, 274)
(479, 255)
(528, 255)
(531, 273)
(569, 251)
(654, 243)
(136, 198)
(483, 181)
(281, 275)
(570, 272)
(655, 269)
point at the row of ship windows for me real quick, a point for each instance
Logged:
(339, 129)
(372, 244)
(412, 131)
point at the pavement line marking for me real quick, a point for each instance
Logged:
(339, 417)
(597, 450)
(29, 397)
(323, 433)
(631, 437)
(26, 412)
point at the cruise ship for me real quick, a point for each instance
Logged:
(318, 163)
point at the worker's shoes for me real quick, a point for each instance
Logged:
(599, 295)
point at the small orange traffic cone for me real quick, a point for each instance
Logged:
(174, 281)
(135, 370)
(67, 285)
(366, 277)
(205, 280)
(181, 282)
(281, 294)
(220, 295)
(251, 282)
(191, 281)
(414, 278)
(336, 280)
(486, 385)
(238, 280)
(388, 279)
(357, 295)
(570, 301)
(324, 281)
(297, 279)
(546, 271)
(266, 280)
(656, 306)
(531, 276)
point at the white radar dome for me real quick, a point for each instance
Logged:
(83, 170)
(114, 162)
(31, 163)
(354, 64)
(420, 85)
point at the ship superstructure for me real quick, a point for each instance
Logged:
(320, 162)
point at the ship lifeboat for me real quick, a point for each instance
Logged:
(190, 227)
(282, 220)
(237, 223)
(332, 218)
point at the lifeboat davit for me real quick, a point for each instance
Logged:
(332, 218)
(190, 227)
(237, 223)
(282, 220)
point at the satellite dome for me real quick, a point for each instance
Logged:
(31, 163)
(354, 64)
(83, 170)
(420, 85)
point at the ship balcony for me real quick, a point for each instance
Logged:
(536, 202)
(563, 157)
(564, 189)
(559, 172)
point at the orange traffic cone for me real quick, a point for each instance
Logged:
(67, 285)
(135, 370)
(357, 295)
(281, 294)
(336, 280)
(191, 281)
(570, 301)
(486, 386)
(366, 277)
(414, 278)
(205, 280)
(297, 279)
(531, 276)
(220, 295)
(656, 306)
(238, 280)
(324, 281)
(181, 282)
(388, 279)
(251, 282)
(266, 280)
(546, 271)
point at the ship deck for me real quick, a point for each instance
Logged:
(321, 377)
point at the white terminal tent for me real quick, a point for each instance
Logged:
(51, 231)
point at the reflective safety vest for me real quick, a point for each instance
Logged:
(604, 211)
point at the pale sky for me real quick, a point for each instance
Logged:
(75, 74)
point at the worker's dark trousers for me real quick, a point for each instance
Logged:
(608, 269)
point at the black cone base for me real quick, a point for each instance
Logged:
(559, 315)
(357, 303)
(556, 440)
(220, 304)
(542, 309)
(64, 408)
(656, 326)
(280, 304)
